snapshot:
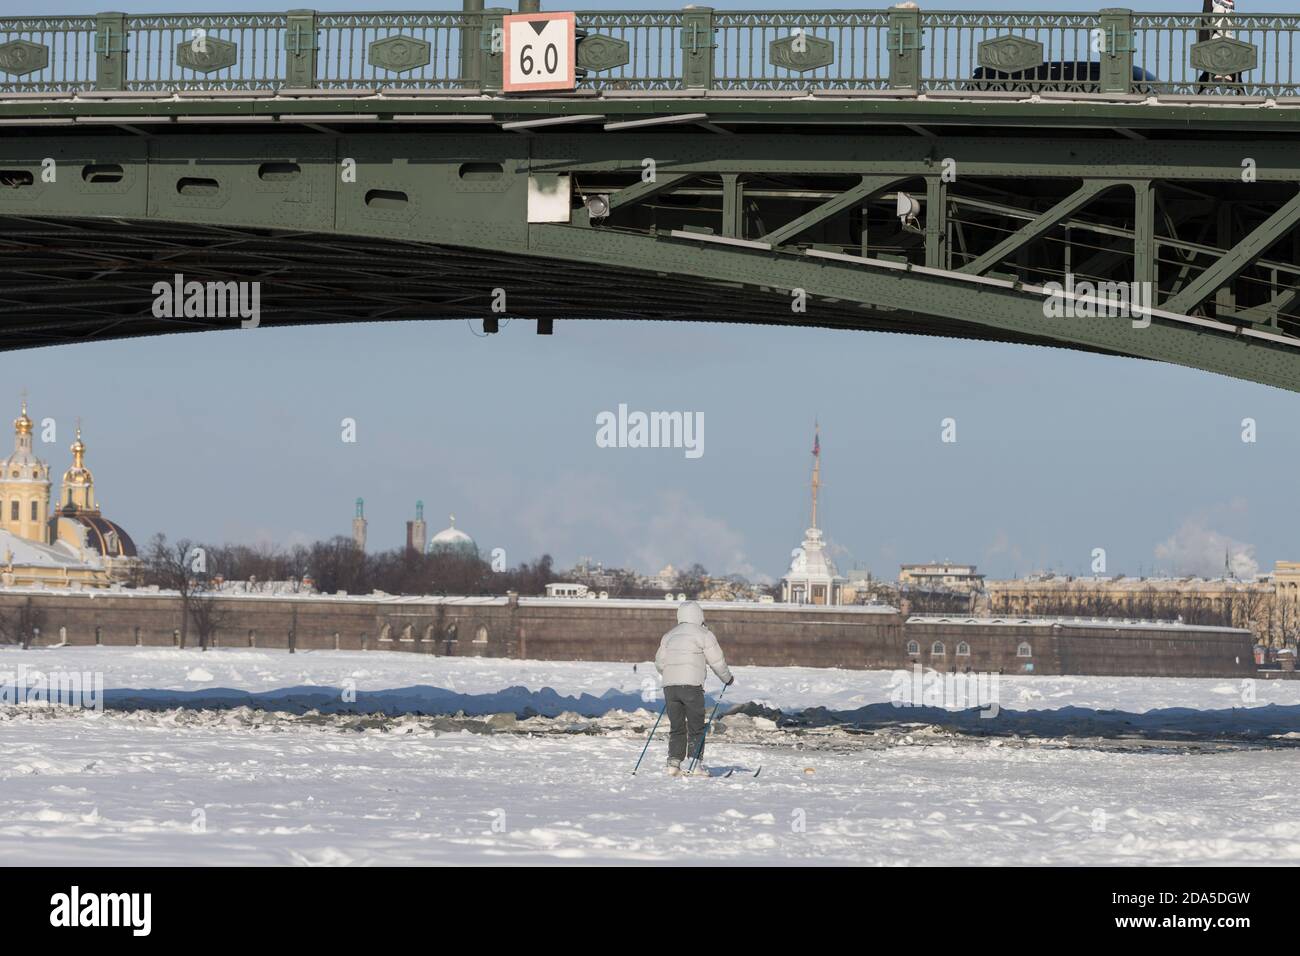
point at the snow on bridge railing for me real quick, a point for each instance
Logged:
(1114, 51)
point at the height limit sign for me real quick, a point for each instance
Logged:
(539, 52)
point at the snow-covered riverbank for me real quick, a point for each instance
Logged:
(407, 681)
(210, 787)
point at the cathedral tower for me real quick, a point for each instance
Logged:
(78, 483)
(24, 487)
(77, 521)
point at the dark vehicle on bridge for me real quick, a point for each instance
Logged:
(1071, 76)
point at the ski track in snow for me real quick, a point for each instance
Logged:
(123, 788)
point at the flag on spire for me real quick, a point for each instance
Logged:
(817, 441)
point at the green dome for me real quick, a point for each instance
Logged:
(452, 540)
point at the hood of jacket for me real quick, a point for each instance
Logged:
(690, 613)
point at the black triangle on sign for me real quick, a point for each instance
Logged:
(538, 25)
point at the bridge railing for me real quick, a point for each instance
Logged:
(397, 50)
(51, 54)
(899, 48)
(1167, 41)
(839, 49)
(967, 50)
(201, 51)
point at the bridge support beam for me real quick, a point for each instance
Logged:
(645, 189)
(1064, 209)
(870, 187)
(1145, 255)
(733, 206)
(939, 294)
(1238, 258)
(936, 222)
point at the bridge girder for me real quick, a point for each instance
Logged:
(79, 255)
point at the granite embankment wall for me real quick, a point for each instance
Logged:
(554, 629)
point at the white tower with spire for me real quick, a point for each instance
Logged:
(813, 578)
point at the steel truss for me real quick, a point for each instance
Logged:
(732, 228)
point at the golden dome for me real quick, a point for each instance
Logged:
(78, 474)
(23, 424)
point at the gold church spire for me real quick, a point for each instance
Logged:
(23, 424)
(78, 450)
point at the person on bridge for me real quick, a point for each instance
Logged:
(683, 654)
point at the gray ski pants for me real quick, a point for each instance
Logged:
(685, 705)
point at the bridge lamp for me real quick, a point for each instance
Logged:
(597, 206)
(907, 209)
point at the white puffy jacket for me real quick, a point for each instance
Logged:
(686, 649)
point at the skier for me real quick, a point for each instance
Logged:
(683, 654)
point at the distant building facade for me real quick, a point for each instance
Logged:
(1224, 602)
(567, 589)
(941, 576)
(666, 579)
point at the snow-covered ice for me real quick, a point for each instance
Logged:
(178, 784)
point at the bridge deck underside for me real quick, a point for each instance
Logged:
(897, 228)
(79, 280)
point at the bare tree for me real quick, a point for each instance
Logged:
(208, 613)
(692, 580)
(1251, 603)
(176, 567)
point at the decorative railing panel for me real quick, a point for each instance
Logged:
(202, 52)
(1166, 43)
(654, 50)
(54, 54)
(396, 50)
(817, 49)
(993, 51)
(1108, 51)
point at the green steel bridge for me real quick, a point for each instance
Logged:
(1018, 177)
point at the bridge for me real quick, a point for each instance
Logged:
(1118, 182)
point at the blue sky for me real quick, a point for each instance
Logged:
(235, 436)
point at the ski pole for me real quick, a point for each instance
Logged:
(648, 739)
(699, 751)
